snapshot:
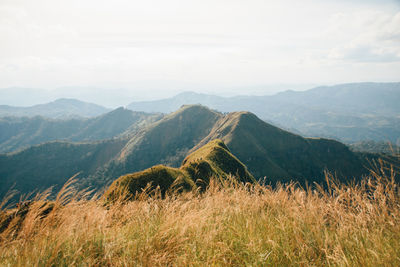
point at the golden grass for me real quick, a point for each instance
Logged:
(228, 225)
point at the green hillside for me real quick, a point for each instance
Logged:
(215, 160)
(52, 164)
(212, 160)
(17, 133)
(167, 141)
(158, 176)
(266, 150)
(282, 156)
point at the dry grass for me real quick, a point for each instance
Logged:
(228, 225)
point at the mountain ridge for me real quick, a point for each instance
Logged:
(212, 160)
(264, 149)
(272, 152)
(346, 112)
(60, 108)
(18, 133)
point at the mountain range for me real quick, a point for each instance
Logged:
(20, 132)
(266, 150)
(60, 108)
(350, 113)
(347, 112)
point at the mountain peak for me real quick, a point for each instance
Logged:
(170, 137)
(67, 100)
(194, 111)
(242, 115)
(215, 159)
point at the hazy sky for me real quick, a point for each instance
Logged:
(158, 45)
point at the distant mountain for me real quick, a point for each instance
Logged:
(358, 98)
(187, 98)
(60, 108)
(17, 133)
(112, 124)
(348, 112)
(266, 150)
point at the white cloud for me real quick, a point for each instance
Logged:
(47, 43)
(373, 37)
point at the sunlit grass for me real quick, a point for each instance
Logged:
(229, 224)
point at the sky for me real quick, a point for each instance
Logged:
(120, 50)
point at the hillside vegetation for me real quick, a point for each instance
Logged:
(266, 150)
(51, 164)
(166, 142)
(212, 160)
(17, 133)
(230, 224)
(279, 155)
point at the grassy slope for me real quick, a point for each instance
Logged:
(168, 140)
(228, 225)
(157, 176)
(213, 160)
